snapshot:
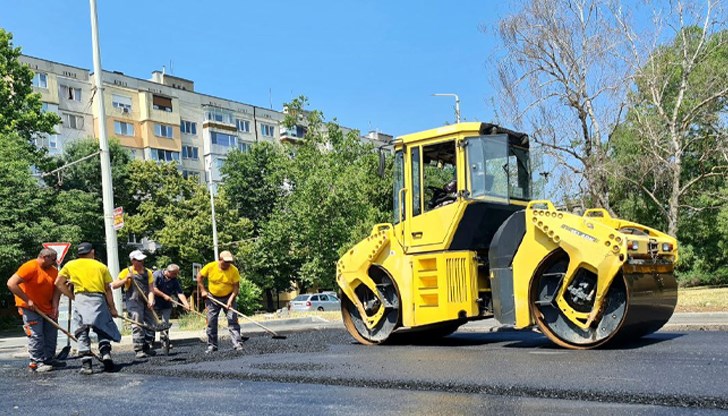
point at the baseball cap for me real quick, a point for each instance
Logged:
(137, 255)
(84, 248)
(226, 256)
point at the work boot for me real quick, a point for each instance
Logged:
(149, 350)
(86, 367)
(108, 362)
(141, 355)
(243, 338)
(210, 349)
(238, 347)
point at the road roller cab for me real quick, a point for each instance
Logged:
(468, 242)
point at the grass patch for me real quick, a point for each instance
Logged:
(702, 299)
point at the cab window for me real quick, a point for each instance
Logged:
(439, 175)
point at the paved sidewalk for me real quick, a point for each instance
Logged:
(14, 346)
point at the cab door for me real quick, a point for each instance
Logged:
(430, 214)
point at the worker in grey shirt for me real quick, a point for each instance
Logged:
(166, 285)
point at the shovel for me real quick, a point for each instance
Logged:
(68, 334)
(157, 328)
(63, 354)
(274, 334)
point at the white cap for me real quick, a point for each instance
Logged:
(137, 255)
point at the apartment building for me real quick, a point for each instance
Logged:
(162, 118)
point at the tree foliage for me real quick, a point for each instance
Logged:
(20, 107)
(316, 198)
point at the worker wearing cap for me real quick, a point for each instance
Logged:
(166, 285)
(138, 304)
(223, 280)
(34, 288)
(93, 305)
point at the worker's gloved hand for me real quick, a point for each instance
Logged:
(203, 294)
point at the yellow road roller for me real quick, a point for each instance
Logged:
(469, 242)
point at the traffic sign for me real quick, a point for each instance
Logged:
(60, 248)
(118, 218)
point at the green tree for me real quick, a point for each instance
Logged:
(669, 153)
(20, 107)
(255, 180)
(175, 213)
(24, 206)
(310, 201)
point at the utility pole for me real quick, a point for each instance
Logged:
(457, 104)
(212, 204)
(112, 253)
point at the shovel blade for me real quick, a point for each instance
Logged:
(63, 354)
(161, 327)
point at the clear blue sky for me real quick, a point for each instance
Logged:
(370, 64)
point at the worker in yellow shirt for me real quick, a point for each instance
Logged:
(93, 305)
(223, 284)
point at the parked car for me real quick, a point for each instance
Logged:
(315, 302)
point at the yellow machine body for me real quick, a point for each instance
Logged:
(481, 248)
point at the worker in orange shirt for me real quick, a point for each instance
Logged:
(34, 290)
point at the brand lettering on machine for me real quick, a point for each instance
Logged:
(579, 233)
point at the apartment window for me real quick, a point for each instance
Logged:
(244, 147)
(162, 155)
(53, 141)
(73, 121)
(219, 116)
(161, 103)
(267, 130)
(121, 103)
(71, 93)
(189, 127)
(40, 80)
(123, 129)
(160, 130)
(49, 108)
(190, 152)
(243, 125)
(190, 174)
(222, 139)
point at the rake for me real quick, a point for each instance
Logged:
(274, 334)
(162, 326)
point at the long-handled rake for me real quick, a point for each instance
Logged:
(274, 334)
(157, 328)
(154, 314)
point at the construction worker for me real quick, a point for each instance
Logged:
(223, 281)
(34, 290)
(93, 305)
(138, 304)
(167, 285)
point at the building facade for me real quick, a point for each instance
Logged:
(162, 118)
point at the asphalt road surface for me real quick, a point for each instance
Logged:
(325, 372)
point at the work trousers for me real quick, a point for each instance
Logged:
(142, 338)
(213, 311)
(164, 315)
(42, 337)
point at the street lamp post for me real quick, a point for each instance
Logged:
(212, 204)
(457, 104)
(107, 189)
